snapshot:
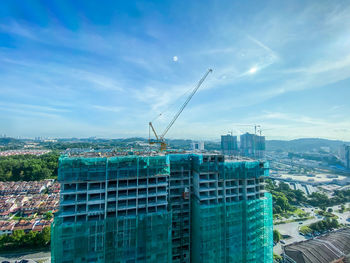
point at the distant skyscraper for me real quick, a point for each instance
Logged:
(252, 145)
(345, 155)
(229, 144)
(168, 208)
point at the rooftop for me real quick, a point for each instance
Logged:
(106, 153)
(93, 153)
(323, 249)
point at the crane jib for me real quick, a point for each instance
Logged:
(160, 139)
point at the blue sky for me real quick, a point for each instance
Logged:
(87, 68)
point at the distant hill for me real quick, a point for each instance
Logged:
(7, 141)
(298, 145)
(303, 145)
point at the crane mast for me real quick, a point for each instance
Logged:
(160, 139)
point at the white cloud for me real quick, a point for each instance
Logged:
(38, 108)
(269, 50)
(107, 108)
(18, 29)
(98, 81)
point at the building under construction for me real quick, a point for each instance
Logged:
(229, 144)
(252, 145)
(164, 208)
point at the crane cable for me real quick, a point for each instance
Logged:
(172, 104)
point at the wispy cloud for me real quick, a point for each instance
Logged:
(38, 108)
(260, 44)
(98, 81)
(72, 78)
(31, 113)
(107, 108)
(17, 29)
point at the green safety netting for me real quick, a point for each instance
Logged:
(232, 232)
(238, 231)
(145, 238)
(99, 168)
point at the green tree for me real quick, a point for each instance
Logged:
(48, 215)
(28, 167)
(319, 199)
(283, 187)
(276, 236)
(282, 201)
(334, 223)
(277, 209)
(300, 196)
(17, 237)
(29, 239)
(45, 236)
(323, 208)
(342, 208)
(277, 258)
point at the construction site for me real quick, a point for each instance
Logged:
(165, 208)
(162, 206)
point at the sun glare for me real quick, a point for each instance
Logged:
(253, 70)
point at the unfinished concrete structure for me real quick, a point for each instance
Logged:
(164, 208)
(252, 145)
(229, 144)
(180, 184)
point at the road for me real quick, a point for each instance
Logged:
(43, 256)
(342, 217)
(292, 229)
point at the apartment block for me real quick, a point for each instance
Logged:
(345, 155)
(252, 145)
(113, 209)
(231, 213)
(229, 144)
(166, 208)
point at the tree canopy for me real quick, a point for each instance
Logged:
(276, 236)
(28, 167)
(20, 239)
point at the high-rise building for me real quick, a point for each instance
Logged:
(165, 208)
(345, 155)
(229, 144)
(252, 145)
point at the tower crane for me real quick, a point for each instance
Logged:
(251, 125)
(159, 139)
(261, 130)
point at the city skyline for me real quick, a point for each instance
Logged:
(82, 69)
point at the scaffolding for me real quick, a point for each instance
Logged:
(144, 238)
(180, 206)
(231, 213)
(113, 210)
(232, 232)
(177, 208)
(101, 168)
